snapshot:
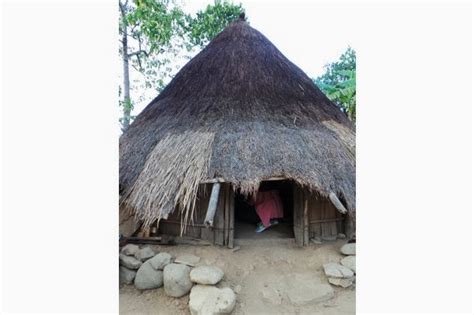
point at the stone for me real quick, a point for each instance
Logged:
(316, 240)
(130, 249)
(129, 261)
(189, 260)
(144, 253)
(148, 278)
(342, 282)
(205, 300)
(302, 289)
(349, 249)
(126, 275)
(159, 261)
(176, 280)
(349, 262)
(310, 293)
(336, 270)
(341, 236)
(206, 275)
(238, 288)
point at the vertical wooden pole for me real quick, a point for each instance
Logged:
(305, 219)
(231, 217)
(298, 216)
(226, 215)
(349, 227)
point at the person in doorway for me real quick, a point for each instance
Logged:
(269, 208)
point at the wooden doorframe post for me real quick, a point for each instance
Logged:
(298, 215)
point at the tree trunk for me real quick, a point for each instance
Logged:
(126, 75)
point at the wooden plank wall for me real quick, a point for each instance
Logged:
(172, 225)
(222, 233)
(325, 221)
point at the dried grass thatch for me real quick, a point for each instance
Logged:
(241, 111)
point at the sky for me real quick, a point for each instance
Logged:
(309, 34)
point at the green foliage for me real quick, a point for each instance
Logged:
(159, 33)
(156, 21)
(209, 23)
(339, 82)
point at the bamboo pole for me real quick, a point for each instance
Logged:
(211, 209)
(337, 203)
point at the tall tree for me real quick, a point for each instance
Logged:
(152, 35)
(147, 28)
(339, 82)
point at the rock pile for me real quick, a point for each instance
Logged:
(343, 273)
(149, 270)
(207, 299)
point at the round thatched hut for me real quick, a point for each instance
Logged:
(236, 115)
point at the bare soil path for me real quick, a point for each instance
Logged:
(259, 273)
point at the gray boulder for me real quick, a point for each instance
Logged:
(341, 282)
(206, 275)
(336, 270)
(159, 261)
(176, 280)
(209, 300)
(189, 260)
(349, 262)
(144, 253)
(126, 275)
(129, 261)
(148, 278)
(349, 249)
(130, 249)
(310, 293)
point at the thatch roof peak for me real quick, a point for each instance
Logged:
(239, 110)
(242, 64)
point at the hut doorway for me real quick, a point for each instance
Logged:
(246, 217)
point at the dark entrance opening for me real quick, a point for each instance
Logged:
(246, 218)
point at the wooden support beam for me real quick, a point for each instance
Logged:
(222, 180)
(211, 209)
(231, 219)
(226, 214)
(337, 203)
(306, 197)
(213, 180)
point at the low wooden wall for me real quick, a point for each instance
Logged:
(313, 217)
(222, 232)
(172, 225)
(325, 222)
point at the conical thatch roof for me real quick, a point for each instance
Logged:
(240, 111)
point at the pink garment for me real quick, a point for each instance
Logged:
(269, 206)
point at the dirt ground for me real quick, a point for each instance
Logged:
(257, 273)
